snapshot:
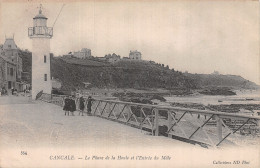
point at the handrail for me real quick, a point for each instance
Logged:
(179, 122)
(161, 107)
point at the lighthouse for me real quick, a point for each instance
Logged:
(40, 35)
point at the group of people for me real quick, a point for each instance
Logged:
(70, 105)
(3, 91)
(14, 91)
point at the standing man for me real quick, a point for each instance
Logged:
(89, 105)
(81, 105)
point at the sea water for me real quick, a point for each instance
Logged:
(241, 97)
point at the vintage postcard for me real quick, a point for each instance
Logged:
(111, 83)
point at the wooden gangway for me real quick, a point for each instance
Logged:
(191, 125)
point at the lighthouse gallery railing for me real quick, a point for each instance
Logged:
(40, 30)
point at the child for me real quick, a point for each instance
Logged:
(66, 106)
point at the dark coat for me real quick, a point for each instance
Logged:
(66, 104)
(69, 105)
(81, 103)
(72, 105)
(89, 104)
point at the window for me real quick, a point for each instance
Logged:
(45, 77)
(9, 84)
(11, 71)
(45, 58)
(40, 30)
(8, 70)
(9, 46)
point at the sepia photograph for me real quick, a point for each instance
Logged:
(127, 83)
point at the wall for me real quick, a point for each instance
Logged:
(135, 55)
(41, 48)
(2, 72)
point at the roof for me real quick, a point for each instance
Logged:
(9, 44)
(112, 56)
(134, 51)
(40, 15)
(85, 49)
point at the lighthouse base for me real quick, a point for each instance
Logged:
(35, 91)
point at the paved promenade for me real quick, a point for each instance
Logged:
(43, 131)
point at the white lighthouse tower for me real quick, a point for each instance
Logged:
(40, 35)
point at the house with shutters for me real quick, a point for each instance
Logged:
(84, 53)
(10, 52)
(7, 73)
(135, 55)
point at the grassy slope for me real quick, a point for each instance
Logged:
(124, 74)
(130, 74)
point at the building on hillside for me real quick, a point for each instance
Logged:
(84, 53)
(215, 73)
(135, 55)
(10, 51)
(102, 58)
(7, 73)
(112, 58)
(69, 55)
(126, 58)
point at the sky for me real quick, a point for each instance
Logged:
(195, 36)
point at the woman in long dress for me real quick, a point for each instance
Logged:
(72, 105)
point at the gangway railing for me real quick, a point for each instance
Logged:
(203, 126)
